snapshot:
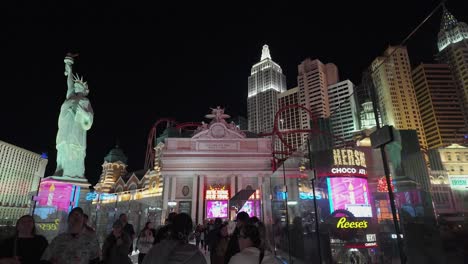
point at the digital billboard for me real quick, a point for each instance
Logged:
(216, 209)
(57, 194)
(251, 207)
(349, 194)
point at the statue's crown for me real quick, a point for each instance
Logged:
(78, 79)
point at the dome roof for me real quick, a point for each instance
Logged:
(116, 154)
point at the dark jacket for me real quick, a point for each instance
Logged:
(233, 246)
(115, 250)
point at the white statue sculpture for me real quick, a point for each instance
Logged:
(76, 117)
(217, 114)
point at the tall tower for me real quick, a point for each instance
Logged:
(114, 167)
(266, 81)
(313, 79)
(290, 119)
(440, 107)
(453, 50)
(344, 117)
(395, 92)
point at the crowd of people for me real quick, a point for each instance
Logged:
(169, 244)
(245, 244)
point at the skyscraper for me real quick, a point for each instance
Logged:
(266, 81)
(344, 117)
(453, 50)
(441, 111)
(290, 119)
(313, 79)
(395, 94)
(20, 173)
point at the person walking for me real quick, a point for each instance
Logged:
(145, 241)
(129, 230)
(197, 235)
(242, 219)
(219, 251)
(176, 248)
(25, 247)
(115, 248)
(251, 252)
(73, 246)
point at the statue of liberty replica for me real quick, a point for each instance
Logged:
(68, 186)
(76, 117)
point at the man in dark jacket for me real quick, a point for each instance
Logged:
(128, 230)
(242, 218)
(213, 236)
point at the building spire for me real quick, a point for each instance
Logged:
(265, 53)
(448, 20)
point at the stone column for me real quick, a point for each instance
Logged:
(173, 188)
(165, 197)
(194, 197)
(233, 186)
(239, 183)
(201, 199)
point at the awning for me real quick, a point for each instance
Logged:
(240, 198)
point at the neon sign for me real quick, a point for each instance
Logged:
(91, 196)
(348, 170)
(343, 223)
(49, 226)
(459, 182)
(217, 194)
(351, 157)
(309, 196)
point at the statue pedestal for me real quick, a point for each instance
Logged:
(56, 197)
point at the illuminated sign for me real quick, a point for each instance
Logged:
(49, 226)
(309, 196)
(216, 209)
(348, 194)
(350, 157)
(91, 196)
(459, 182)
(344, 223)
(255, 195)
(348, 170)
(217, 194)
(361, 210)
(57, 194)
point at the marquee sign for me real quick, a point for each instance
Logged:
(345, 163)
(217, 193)
(344, 225)
(349, 157)
(459, 182)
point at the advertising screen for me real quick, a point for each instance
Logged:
(251, 207)
(216, 209)
(349, 194)
(56, 194)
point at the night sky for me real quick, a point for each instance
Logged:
(145, 62)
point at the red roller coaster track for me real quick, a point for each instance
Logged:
(288, 150)
(149, 159)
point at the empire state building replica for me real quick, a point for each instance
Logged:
(266, 81)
